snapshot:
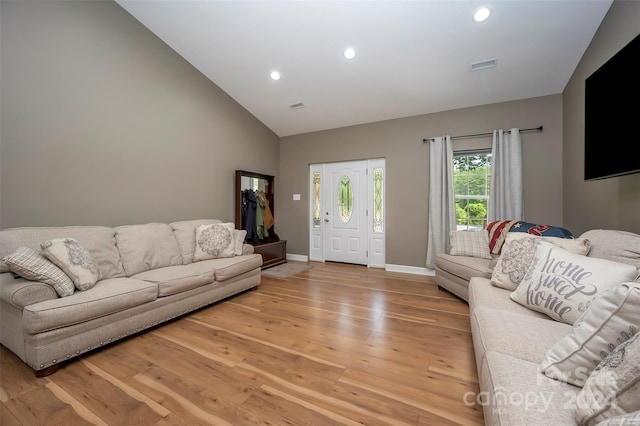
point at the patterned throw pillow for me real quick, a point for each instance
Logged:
(238, 239)
(74, 260)
(498, 231)
(613, 388)
(541, 230)
(631, 419)
(518, 252)
(610, 320)
(562, 285)
(470, 243)
(214, 241)
(33, 266)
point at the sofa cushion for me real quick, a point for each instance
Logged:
(69, 255)
(618, 246)
(522, 336)
(482, 293)
(148, 246)
(100, 241)
(517, 393)
(230, 267)
(106, 297)
(562, 284)
(175, 279)
(464, 266)
(610, 320)
(470, 243)
(185, 233)
(613, 389)
(33, 266)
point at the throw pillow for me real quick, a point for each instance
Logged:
(238, 241)
(541, 230)
(610, 320)
(561, 284)
(33, 266)
(470, 243)
(631, 419)
(581, 246)
(498, 231)
(214, 241)
(613, 388)
(518, 252)
(74, 260)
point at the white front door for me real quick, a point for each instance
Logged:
(344, 231)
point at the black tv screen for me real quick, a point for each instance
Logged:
(612, 116)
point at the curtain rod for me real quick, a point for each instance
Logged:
(477, 135)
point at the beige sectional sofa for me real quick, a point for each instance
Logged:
(510, 340)
(147, 276)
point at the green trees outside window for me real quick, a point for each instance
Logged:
(471, 182)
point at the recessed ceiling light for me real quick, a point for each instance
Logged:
(349, 53)
(275, 75)
(481, 14)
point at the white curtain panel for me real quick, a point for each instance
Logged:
(505, 199)
(442, 218)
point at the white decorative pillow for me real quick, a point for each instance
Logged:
(214, 241)
(611, 319)
(33, 266)
(561, 284)
(518, 252)
(580, 246)
(470, 243)
(613, 389)
(74, 260)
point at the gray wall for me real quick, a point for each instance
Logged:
(103, 123)
(407, 159)
(610, 203)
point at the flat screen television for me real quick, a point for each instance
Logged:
(612, 116)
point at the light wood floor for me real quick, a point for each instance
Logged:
(337, 344)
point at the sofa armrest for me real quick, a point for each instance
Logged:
(20, 292)
(247, 249)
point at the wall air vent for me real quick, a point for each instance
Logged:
(489, 63)
(297, 105)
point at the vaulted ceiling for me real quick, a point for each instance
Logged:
(411, 57)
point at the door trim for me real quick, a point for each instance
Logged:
(375, 240)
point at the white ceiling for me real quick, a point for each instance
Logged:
(412, 57)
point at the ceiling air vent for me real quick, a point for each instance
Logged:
(297, 105)
(489, 63)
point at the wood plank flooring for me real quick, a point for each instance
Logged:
(336, 344)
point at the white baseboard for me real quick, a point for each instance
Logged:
(388, 267)
(297, 257)
(410, 270)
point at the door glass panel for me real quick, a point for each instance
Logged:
(378, 219)
(316, 200)
(345, 199)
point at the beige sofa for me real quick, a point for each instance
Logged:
(147, 276)
(510, 341)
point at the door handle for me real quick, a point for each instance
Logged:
(326, 220)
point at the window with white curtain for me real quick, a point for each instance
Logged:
(471, 183)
